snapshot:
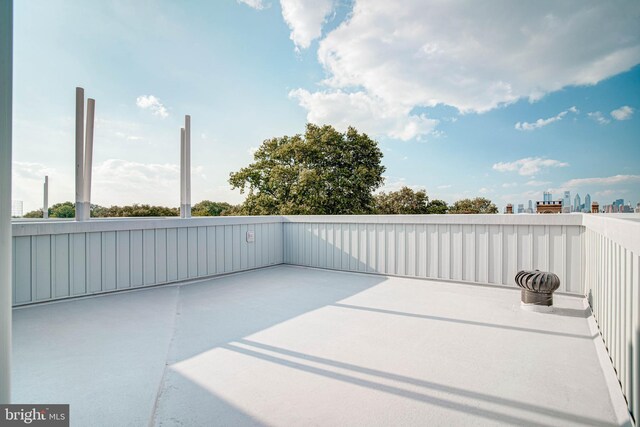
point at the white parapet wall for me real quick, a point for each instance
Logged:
(612, 286)
(62, 259)
(469, 248)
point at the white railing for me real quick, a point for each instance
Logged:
(594, 255)
(61, 259)
(470, 248)
(612, 286)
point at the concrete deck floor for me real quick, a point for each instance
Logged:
(289, 346)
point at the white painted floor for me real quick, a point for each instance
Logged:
(289, 346)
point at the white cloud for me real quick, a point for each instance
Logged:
(153, 104)
(444, 187)
(255, 4)
(28, 181)
(622, 113)
(414, 53)
(599, 118)
(528, 165)
(366, 113)
(305, 19)
(509, 184)
(609, 180)
(544, 122)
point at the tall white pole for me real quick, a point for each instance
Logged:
(183, 174)
(187, 137)
(6, 84)
(88, 160)
(79, 151)
(45, 201)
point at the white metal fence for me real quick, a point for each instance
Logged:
(594, 255)
(472, 248)
(53, 260)
(612, 286)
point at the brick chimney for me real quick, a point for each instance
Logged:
(595, 207)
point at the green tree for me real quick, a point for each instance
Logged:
(33, 214)
(479, 205)
(437, 207)
(322, 172)
(209, 208)
(404, 202)
(62, 210)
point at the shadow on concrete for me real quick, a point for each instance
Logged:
(421, 397)
(462, 321)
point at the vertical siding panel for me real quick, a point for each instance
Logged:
(202, 252)
(469, 251)
(444, 270)
(322, 248)
(78, 264)
(94, 262)
(43, 267)
(482, 254)
(390, 242)
(362, 247)
(346, 248)
(540, 248)
(161, 255)
(314, 246)
(525, 243)
(61, 278)
(557, 254)
(149, 257)
(236, 247)
(172, 254)
(136, 257)
(220, 249)
(192, 252)
(410, 250)
(228, 248)
(457, 252)
(330, 245)
(400, 246)
(211, 250)
(495, 254)
(381, 250)
(22, 269)
(252, 246)
(371, 247)
(510, 254)
(433, 250)
(183, 253)
(273, 247)
(421, 251)
(573, 259)
(244, 247)
(122, 259)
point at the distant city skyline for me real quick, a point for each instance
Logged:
(548, 99)
(577, 204)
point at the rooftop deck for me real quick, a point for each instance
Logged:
(289, 345)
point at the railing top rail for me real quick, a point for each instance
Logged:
(41, 227)
(489, 219)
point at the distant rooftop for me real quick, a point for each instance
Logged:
(288, 345)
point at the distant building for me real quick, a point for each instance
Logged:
(617, 205)
(576, 203)
(530, 208)
(552, 206)
(587, 203)
(638, 208)
(595, 207)
(508, 209)
(546, 196)
(566, 202)
(521, 208)
(16, 208)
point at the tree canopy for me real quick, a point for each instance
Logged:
(479, 205)
(322, 172)
(436, 206)
(209, 208)
(403, 202)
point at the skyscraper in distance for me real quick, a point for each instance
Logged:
(587, 203)
(566, 202)
(576, 203)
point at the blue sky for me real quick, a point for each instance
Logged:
(502, 100)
